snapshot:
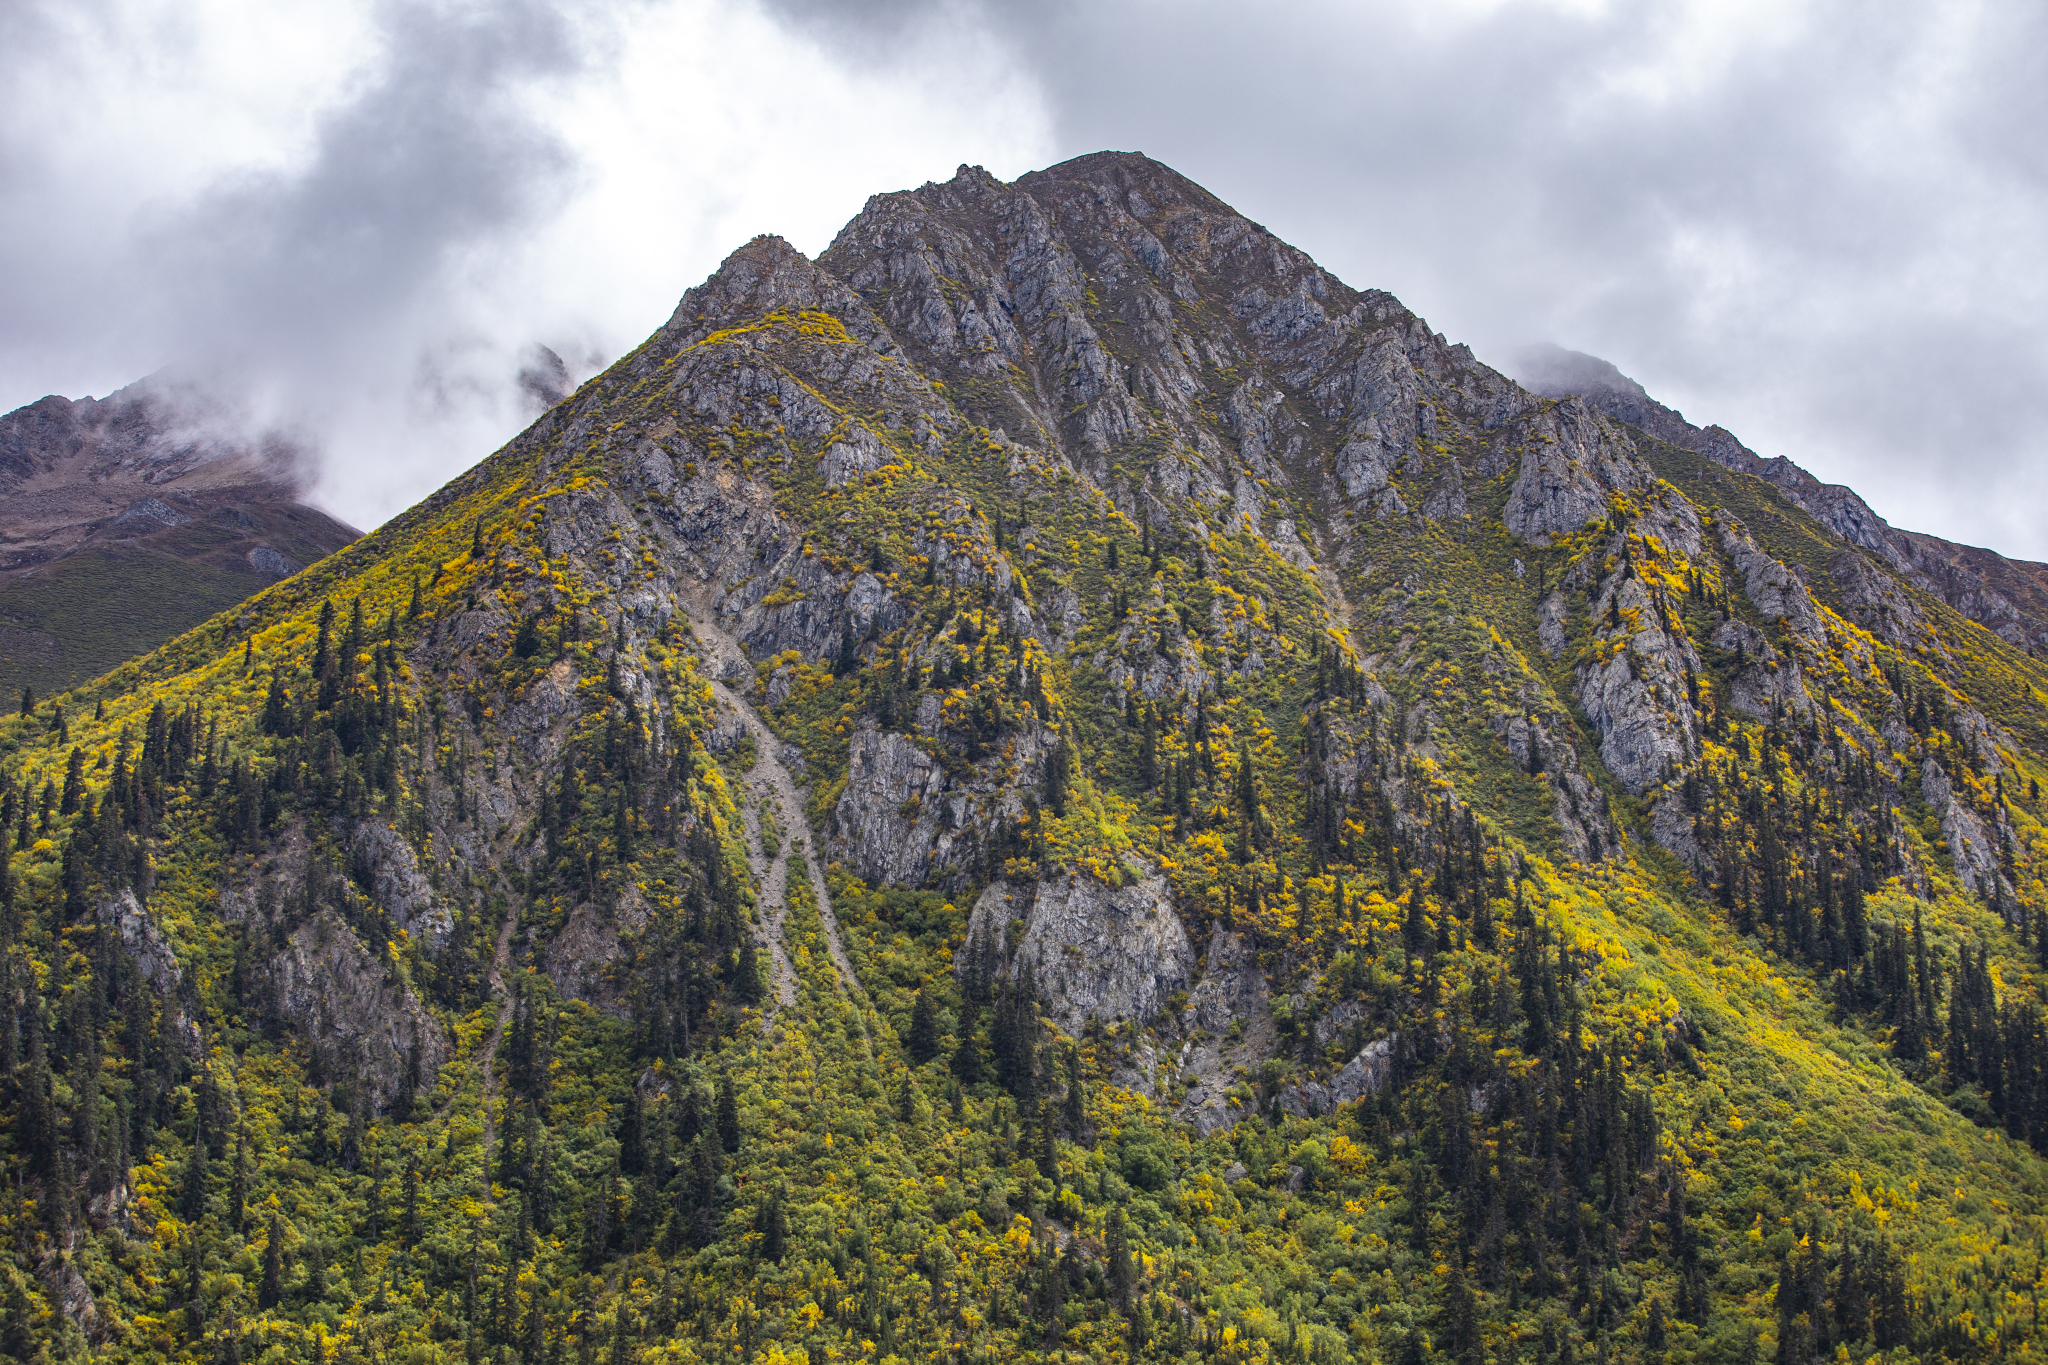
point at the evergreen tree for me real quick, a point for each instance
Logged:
(270, 1292)
(728, 1115)
(924, 1029)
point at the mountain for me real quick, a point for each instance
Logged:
(1053, 783)
(129, 519)
(2008, 595)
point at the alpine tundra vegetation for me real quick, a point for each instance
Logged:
(1055, 784)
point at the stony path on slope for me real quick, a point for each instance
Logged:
(770, 786)
(772, 876)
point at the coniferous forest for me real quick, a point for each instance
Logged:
(1054, 784)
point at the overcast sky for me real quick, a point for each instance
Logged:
(1820, 225)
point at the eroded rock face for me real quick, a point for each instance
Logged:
(1638, 698)
(1765, 678)
(1775, 589)
(1973, 848)
(346, 1000)
(1573, 461)
(155, 959)
(1875, 601)
(1095, 952)
(398, 884)
(902, 821)
(1365, 1074)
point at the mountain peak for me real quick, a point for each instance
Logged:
(1112, 775)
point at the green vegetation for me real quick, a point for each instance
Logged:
(1776, 1098)
(83, 615)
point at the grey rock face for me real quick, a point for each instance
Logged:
(146, 943)
(1775, 589)
(1550, 632)
(343, 998)
(1875, 601)
(903, 821)
(580, 959)
(891, 826)
(1366, 1074)
(1972, 847)
(1638, 698)
(1095, 953)
(1232, 989)
(1573, 461)
(1765, 677)
(155, 958)
(398, 884)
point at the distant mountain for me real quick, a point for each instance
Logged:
(2008, 595)
(1055, 783)
(129, 519)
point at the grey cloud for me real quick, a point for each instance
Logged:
(431, 158)
(319, 294)
(1823, 238)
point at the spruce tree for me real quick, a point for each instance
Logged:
(924, 1029)
(728, 1115)
(238, 1188)
(271, 1291)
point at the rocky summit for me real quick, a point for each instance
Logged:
(1054, 783)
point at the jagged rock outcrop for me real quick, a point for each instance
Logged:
(388, 867)
(155, 959)
(904, 820)
(1972, 847)
(1366, 1074)
(1775, 590)
(1094, 952)
(2009, 596)
(1573, 462)
(1638, 696)
(1876, 602)
(354, 1005)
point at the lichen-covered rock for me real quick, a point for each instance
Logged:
(356, 1007)
(1095, 952)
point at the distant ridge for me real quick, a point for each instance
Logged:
(129, 519)
(2008, 595)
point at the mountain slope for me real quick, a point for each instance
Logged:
(1056, 781)
(130, 519)
(2008, 595)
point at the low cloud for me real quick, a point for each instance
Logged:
(363, 225)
